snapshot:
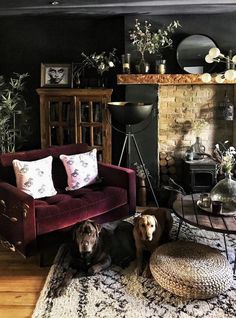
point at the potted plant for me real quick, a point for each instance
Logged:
(146, 40)
(100, 62)
(14, 125)
(225, 190)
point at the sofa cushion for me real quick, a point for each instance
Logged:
(6, 168)
(58, 170)
(59, 175)
(35, 177)
(81, 169)
(66, 209)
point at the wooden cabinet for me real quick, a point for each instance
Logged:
(76, 115)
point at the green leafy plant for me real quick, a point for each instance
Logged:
(146, 40)
(14, 119)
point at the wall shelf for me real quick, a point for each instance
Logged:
(164, 79)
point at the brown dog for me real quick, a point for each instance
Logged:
(90, 252)
(151, 229)
(95, 248)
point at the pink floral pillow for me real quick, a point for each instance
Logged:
(35, 177)
(81, 169)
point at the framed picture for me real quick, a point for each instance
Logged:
(56, 75)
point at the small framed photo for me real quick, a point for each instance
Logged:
(56, 75)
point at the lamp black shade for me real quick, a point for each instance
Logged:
(127, 113)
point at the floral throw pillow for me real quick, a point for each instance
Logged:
(81, 169)
(35, 177)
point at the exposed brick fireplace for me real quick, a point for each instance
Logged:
(179, 107)
(183, 99)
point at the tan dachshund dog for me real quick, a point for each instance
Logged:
(151, 229)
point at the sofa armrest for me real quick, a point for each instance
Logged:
(120, 177)
(17, 218)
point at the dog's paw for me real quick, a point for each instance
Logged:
(139, 271)
(147, 272)
(94, 270)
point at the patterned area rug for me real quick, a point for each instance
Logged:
(117, 293)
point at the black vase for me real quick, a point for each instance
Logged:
(101, 81)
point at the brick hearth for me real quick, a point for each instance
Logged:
(182, 100)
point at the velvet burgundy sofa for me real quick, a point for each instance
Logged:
(24, 219)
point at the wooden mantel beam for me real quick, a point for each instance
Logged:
(164, 79)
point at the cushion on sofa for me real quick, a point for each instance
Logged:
(6, 168)
(59, 175)
(81, 169)
(62, 210)
(35, 177)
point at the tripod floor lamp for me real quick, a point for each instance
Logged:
(129, 114)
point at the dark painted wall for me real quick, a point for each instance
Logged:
(25, 42)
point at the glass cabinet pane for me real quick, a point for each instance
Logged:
(97, 112)
(86, 135)
(68, 137)
(55, 136)
(97, 136)
(85, 114)
(54, 111)
(99, 156)
(66, 112)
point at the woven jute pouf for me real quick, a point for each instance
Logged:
(191, 270)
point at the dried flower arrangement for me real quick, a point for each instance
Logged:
(146, 40)
(140, 171)
(101, 62)
(225, 156)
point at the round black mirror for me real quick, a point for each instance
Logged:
(191, 54)
(126, 113)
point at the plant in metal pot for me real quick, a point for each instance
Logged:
(141, 173)
(146, 40)
(14, 113)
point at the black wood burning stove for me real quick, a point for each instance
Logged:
(200, 175)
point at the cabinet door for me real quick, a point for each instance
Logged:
(91, 125)
(60, 123)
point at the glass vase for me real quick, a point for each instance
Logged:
(198, 149)
(142, 67)
(225, 191)
(101, 80)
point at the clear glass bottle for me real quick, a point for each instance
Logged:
(197, 148)
(160, 66)
(225, 191)
(126, 63)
